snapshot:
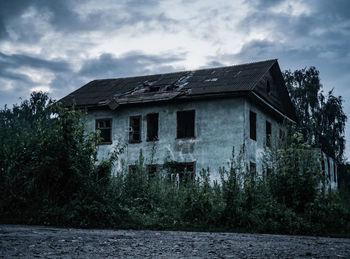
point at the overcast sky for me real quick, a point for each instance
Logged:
(58, 46)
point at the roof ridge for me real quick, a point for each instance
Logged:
(186, 71)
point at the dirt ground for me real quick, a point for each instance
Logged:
(36, 241)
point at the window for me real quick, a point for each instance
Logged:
(186, 171)
(152, 170)
(252, 125)
(268, 87)
(132, 169)
(252, 167)
(105, 128)
(323, 166)
(135, 129)
(329, 169)
(268, 134)
(185, 124)
(152, 127)
(335, 172)
(282, 135)
(182, 172)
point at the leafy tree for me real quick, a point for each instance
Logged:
(321, 118)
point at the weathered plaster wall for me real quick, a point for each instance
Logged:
(219, 126)
(256, 148)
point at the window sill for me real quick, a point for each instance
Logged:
(104, 143)
(135, 142)
(187, 138)
(152, 140)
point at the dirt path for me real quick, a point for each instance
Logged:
(33, 241)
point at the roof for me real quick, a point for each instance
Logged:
(165, 87)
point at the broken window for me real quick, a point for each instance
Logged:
(268, 134)
(152, 127)
(135, 129)
(152, 170)
(185, 124)
(105, 128)
(252, 125)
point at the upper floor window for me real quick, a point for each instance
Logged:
(252, 125)
(105, 128)
(185, 124)
(268, 87)
(268, 134)
(152, 127)
(135, 129)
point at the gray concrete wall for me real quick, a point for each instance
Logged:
(220, 125)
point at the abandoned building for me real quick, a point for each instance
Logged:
(195, 118)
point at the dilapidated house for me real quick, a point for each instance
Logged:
(195, 118)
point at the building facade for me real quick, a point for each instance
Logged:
(195, 118)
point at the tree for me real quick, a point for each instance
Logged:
(321, 118)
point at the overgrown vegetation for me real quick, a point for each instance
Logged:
(49, 175)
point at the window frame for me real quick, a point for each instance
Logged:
(110, 130)
(194, 124)
(148, 116)
(131, 131)
(252, 130)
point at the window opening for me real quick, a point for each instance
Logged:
(152, 126)
(252, 167)
(152, 170)
(252, 125)
(268, 87)
(105, 128)
(132, 169)
(329, 169)
(135, 129)
(268, 134)
(185, 124)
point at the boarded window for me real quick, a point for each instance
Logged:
(135, 129)
(152, 170)
(268, 134)
(152, 127)
(252, 125)
(105, 128)
(185, 124)
(252, 167)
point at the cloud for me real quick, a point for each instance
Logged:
(129, 64)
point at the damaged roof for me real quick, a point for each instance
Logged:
(187, 84)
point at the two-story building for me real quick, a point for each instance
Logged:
(195, 118)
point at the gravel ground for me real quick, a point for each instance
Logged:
(35, 241)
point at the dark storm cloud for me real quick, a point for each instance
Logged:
(19, 60)
(129, 64)
(63, 17)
